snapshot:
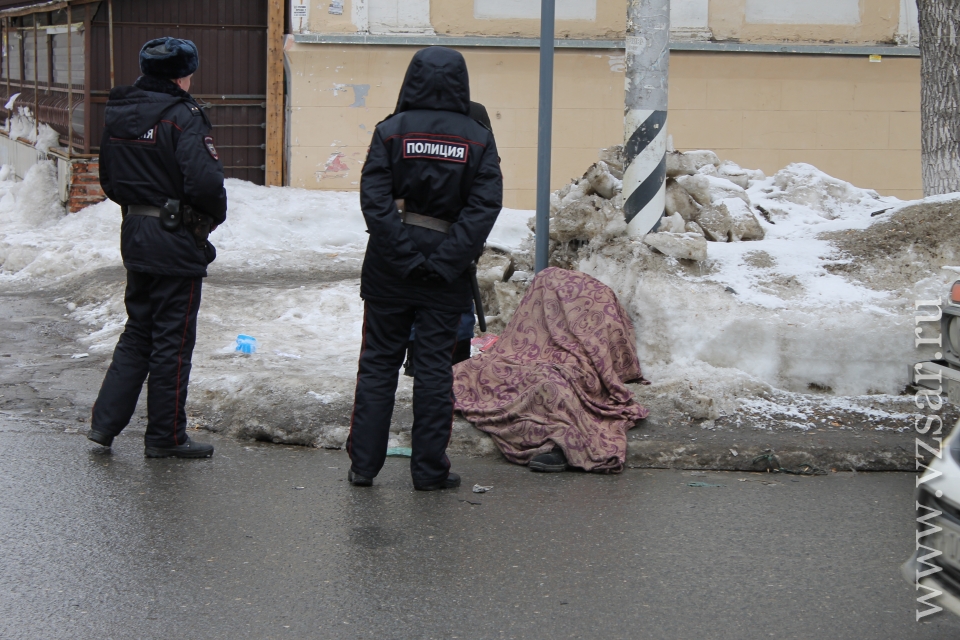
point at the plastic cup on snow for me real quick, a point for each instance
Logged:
(246, 344)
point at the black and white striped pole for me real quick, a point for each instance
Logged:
(645, 115)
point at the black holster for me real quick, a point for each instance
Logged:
(170, 215)
(198, 224)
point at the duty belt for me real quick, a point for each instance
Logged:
(418, 220)
(142, 210)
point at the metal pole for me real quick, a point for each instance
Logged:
(545, 133)
(110, 28)
(69, 81)
(6, 37)
(645, 115)
(48, 39)
(87, 77)
(36, 80)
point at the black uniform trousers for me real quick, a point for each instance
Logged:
(156, 345)
(386, 329)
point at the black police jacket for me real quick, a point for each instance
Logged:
(156, 145)
(443, 164)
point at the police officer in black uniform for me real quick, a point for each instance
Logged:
(430, 191)
(158, 161)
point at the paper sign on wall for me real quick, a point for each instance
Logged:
(300, 15)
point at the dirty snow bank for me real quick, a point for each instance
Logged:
(287, 273)
(800, 298)
(267, 229)
(775, 292)
(723, 398)
(780, 309)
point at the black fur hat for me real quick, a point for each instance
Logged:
(169, 58)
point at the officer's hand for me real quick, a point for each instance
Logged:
(423, 273)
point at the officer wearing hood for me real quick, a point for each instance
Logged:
(158, 161)
(430, 191)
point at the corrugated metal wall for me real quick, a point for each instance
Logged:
(231, 36)
(36, 66)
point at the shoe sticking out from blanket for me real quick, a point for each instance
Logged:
(553, 462)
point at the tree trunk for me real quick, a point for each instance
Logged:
(940, 95)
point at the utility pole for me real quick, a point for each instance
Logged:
(545, 134)
(645, 114)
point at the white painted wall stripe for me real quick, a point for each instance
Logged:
(840, 12)
(530, 9)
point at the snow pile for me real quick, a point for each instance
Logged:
(782, 308)
(298, 386)
(904, 245)
(802, 190)
(748, 275)
(588, 210)
(33, 203)
(287, 273)
(267, 228)
(38, 239)
(792, 266)
(789, 285)
(511, 230)
(286, 228)
(22, 125)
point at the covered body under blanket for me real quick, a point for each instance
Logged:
(556, 376)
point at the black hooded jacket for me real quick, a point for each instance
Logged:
(156, 146)
(443, 164)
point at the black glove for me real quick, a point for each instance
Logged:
(423, 273)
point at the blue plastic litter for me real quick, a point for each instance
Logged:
(246, 344)
(400, 452)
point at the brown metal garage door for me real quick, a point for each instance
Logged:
(231, 81)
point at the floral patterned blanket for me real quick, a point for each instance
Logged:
(556, 376)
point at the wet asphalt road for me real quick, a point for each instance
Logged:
(265, 541)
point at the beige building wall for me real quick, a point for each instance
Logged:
(854, 119)
(833, 21)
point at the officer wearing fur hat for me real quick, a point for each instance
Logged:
(158, 161)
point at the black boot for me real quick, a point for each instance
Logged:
(452, 482)
(553, 462)
(358, 480)
(188, 449)
(101, 439)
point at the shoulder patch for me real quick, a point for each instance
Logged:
(208, 141)
(436, 150)
(194, 109)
